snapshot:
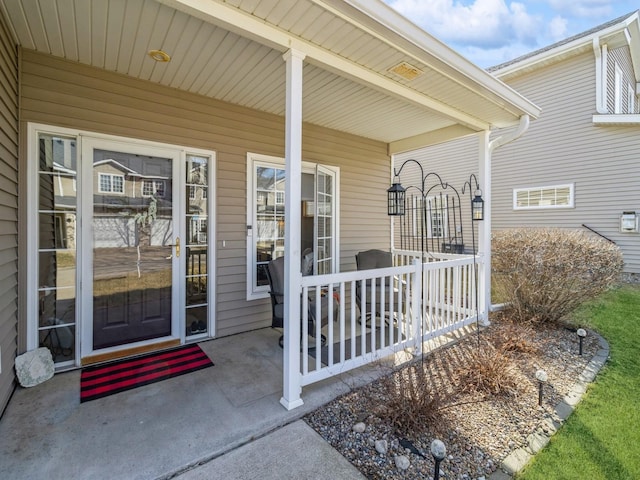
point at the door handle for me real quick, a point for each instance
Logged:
(177, 245)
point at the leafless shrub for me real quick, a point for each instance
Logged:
(513, 338)
(489, 371)
(544, 274)
(411, 400)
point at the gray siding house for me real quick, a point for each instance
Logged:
(578, 166)
(155, 155)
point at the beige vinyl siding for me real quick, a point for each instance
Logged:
(8, 212)
(68, 94)
(563, 146)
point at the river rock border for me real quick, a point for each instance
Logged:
(516, 460)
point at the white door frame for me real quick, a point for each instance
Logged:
(85, 141)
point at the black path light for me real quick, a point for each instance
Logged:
(581, 334)
(542, 378)
(439, 451)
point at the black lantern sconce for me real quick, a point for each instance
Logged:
(477, 203)
(477, 206)
(395, 196)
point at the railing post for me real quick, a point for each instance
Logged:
(416, 305)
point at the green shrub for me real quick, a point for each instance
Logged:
(544, 274)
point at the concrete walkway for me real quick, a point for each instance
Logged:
(220, 422)
(293, 452)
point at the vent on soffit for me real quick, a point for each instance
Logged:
(406, 71)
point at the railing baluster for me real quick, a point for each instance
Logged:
(421, 297)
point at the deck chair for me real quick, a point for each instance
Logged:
(371, 259)
(275, 273)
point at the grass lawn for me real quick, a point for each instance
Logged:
(601, 439)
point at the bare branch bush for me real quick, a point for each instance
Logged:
(411, 399)
(543, 274)
(490, 371)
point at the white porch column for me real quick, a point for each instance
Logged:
(484, 229)
(292, 388)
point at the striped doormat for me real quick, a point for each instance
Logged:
(101, 380)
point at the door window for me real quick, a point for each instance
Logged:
(57, 211)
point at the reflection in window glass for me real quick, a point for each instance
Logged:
(56, 262)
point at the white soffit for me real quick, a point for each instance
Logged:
(232, 51)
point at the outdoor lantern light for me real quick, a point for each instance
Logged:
(542, 378)
(581, 334)
(477, 206)
(439, 451)
(395, 194)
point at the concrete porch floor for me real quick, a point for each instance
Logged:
(167, 428)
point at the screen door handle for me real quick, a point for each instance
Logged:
(177, 245)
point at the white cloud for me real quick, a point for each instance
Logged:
(482, 23)
(583, 8)
(558, 28)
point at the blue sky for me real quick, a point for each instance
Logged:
(490, 32)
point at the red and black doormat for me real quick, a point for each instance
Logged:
(101, 380)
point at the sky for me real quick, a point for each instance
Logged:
(490, 32)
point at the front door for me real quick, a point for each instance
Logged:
(135, 243)
(120, 245)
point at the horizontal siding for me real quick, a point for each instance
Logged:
(563, 146)
(8, 212)
(67, 94)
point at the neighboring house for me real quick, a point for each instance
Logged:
(141, 196)
(578, 165)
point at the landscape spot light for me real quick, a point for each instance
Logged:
(439, 451)
(542, 378)
(581, 334)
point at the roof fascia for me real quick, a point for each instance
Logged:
(579, 44)
(634, 47)
(243, 24)
(429, 138)
(406, 36)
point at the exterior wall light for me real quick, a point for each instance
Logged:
(159, 56)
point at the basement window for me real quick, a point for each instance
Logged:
(554, 196)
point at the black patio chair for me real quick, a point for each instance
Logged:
(275, 273)
(368, 260)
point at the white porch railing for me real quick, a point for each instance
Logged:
(379, 312)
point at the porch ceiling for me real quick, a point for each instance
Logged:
(231, 50)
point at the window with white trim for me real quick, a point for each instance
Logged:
(435, 212)
(110, 183)
(553, 196)
(153, 187)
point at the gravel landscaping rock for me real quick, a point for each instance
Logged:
(478, 430)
